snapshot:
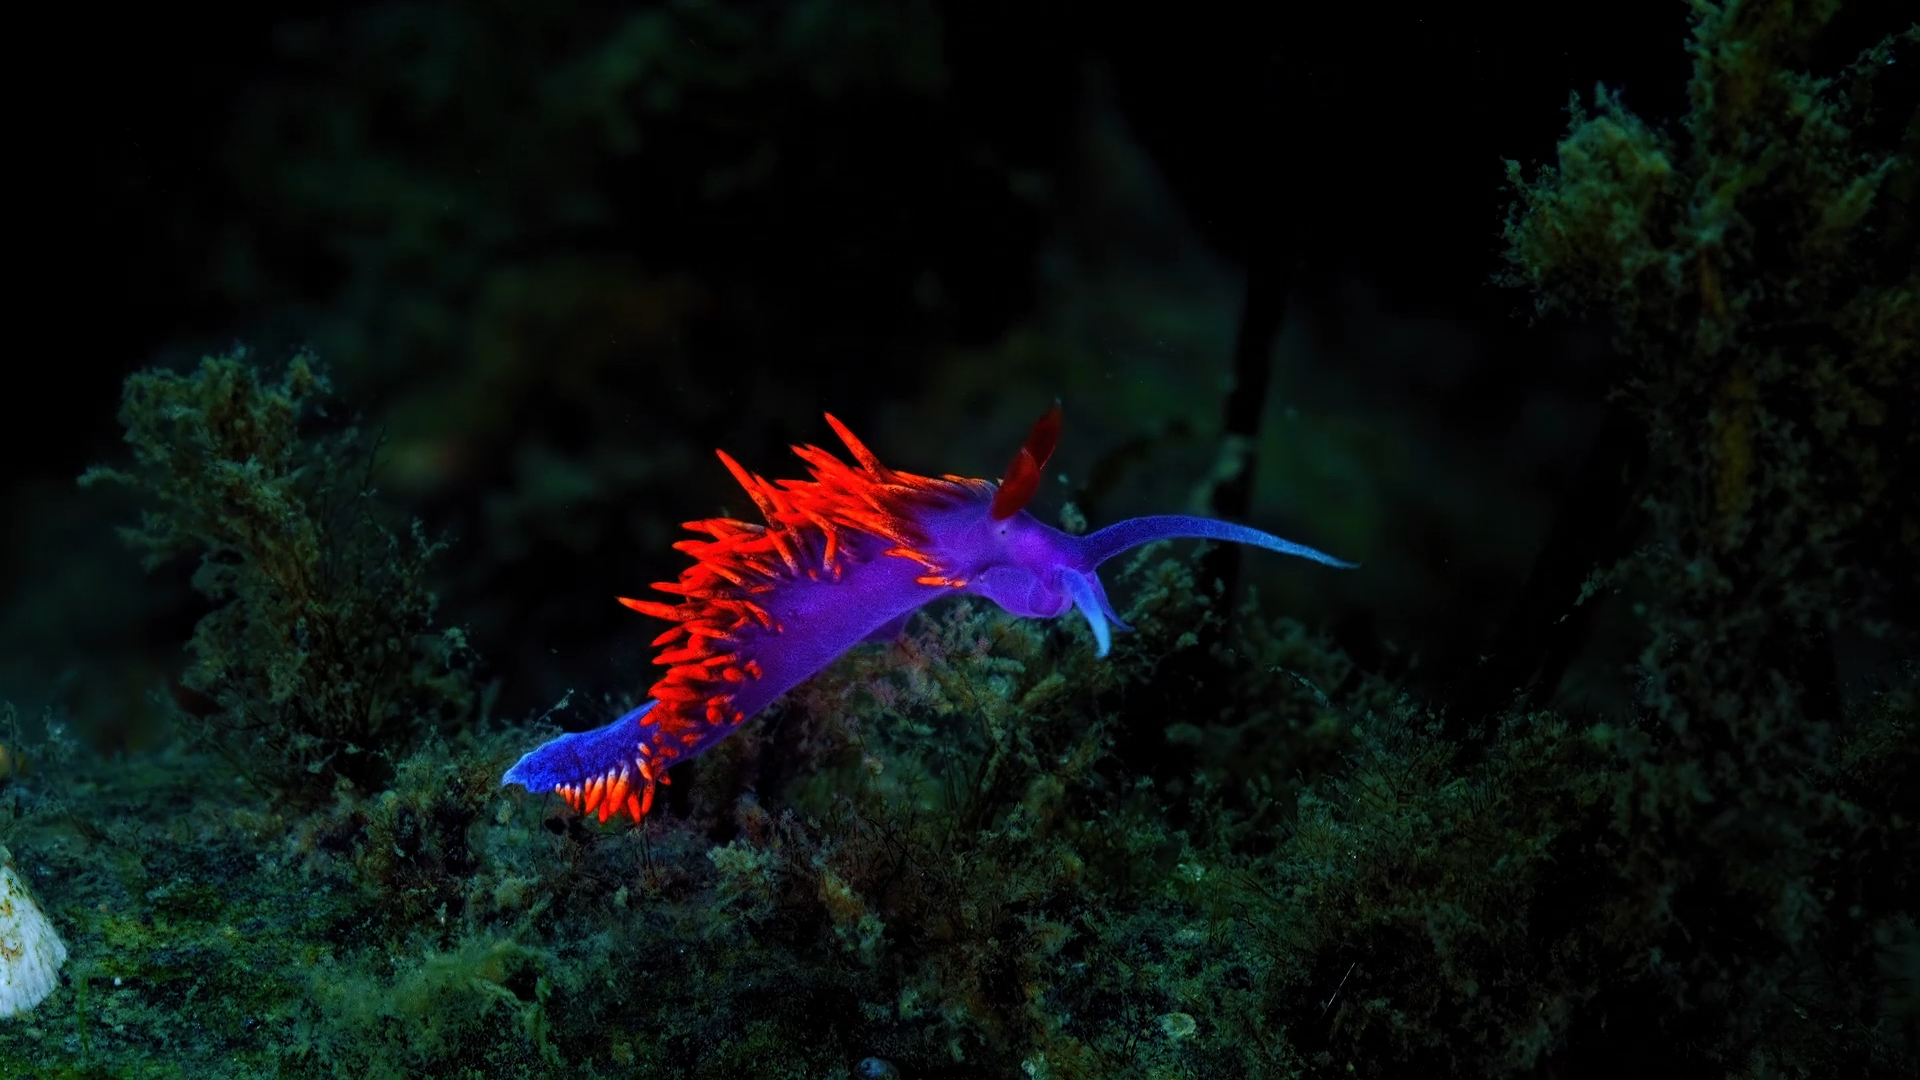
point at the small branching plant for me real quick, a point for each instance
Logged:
(319, 661)
(1754, 260)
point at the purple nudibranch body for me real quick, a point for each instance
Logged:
(845, 557)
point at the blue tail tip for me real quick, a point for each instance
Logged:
(574, 757)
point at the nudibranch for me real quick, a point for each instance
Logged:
(843, 558)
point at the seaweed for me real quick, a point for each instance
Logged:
(319, 662)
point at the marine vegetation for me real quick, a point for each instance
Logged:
(319, 663)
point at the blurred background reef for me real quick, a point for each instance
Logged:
(393, 340)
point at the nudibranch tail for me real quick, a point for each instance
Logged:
(609, 770)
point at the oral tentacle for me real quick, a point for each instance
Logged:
(1102, 544)
(1091, 606)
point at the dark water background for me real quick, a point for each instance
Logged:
(557, 283)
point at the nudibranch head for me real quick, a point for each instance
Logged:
(843, 557)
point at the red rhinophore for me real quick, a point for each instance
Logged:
(1023, 475)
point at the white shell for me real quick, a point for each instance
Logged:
(30, 952)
